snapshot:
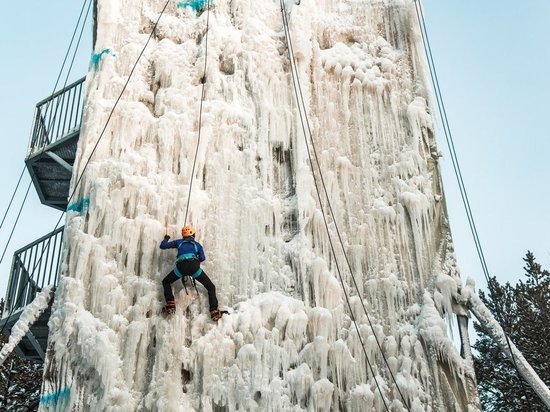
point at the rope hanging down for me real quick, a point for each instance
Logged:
(203, 81)
(12, 197)
(48, 128)
(460, 180)
(46, 244)
(302, 108)
(16, 220)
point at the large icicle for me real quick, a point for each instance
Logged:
(29, 315)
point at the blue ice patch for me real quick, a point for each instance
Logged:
(96, 58)
(196, 5)
(79, 206)
(54, 397)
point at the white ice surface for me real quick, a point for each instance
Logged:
(289, 342)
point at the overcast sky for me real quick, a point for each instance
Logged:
(492, 60)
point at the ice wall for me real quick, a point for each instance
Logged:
(289, 342)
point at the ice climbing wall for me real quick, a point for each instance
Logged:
(290, 342)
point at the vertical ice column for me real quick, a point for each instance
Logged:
(290, 341)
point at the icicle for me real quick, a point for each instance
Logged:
(321, 393)
(29, 315)
(300, 380)
(362, 398)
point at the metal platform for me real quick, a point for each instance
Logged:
(53, 144)
(34, 267)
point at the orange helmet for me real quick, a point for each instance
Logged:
(187, 231)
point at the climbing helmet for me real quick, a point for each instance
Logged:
(187, 231)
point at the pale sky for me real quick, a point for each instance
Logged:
(492, 61)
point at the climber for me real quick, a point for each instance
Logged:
(190, 254)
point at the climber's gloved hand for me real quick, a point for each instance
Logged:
(166, 238)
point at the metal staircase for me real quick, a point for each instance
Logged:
(50, 159)
(34, 266)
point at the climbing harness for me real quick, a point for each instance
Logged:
(193, 276)
(189, 257)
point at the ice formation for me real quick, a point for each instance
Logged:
(29, 315)
(290, 341)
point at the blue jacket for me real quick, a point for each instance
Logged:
(187, 247)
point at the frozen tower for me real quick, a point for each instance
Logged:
(291, 341)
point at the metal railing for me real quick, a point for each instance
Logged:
(34, 266)
(57, 116)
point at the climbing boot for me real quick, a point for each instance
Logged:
(169, 308)
(215, 315)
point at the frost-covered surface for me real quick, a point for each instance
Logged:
(29, 315)
(289, 343)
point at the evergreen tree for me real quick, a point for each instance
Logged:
(20, 381)
(523, 311)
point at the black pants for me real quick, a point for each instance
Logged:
(187, 268)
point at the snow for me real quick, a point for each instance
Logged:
(289, 342)
(28, 316)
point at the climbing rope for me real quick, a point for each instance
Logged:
(12, 197)
(203, 81)
(460, 180)
(16, 220)
(46, 244)
(115, 105)
(48, 128)
(303, 115)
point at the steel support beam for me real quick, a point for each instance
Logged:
(60, 161)
(36, 345)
